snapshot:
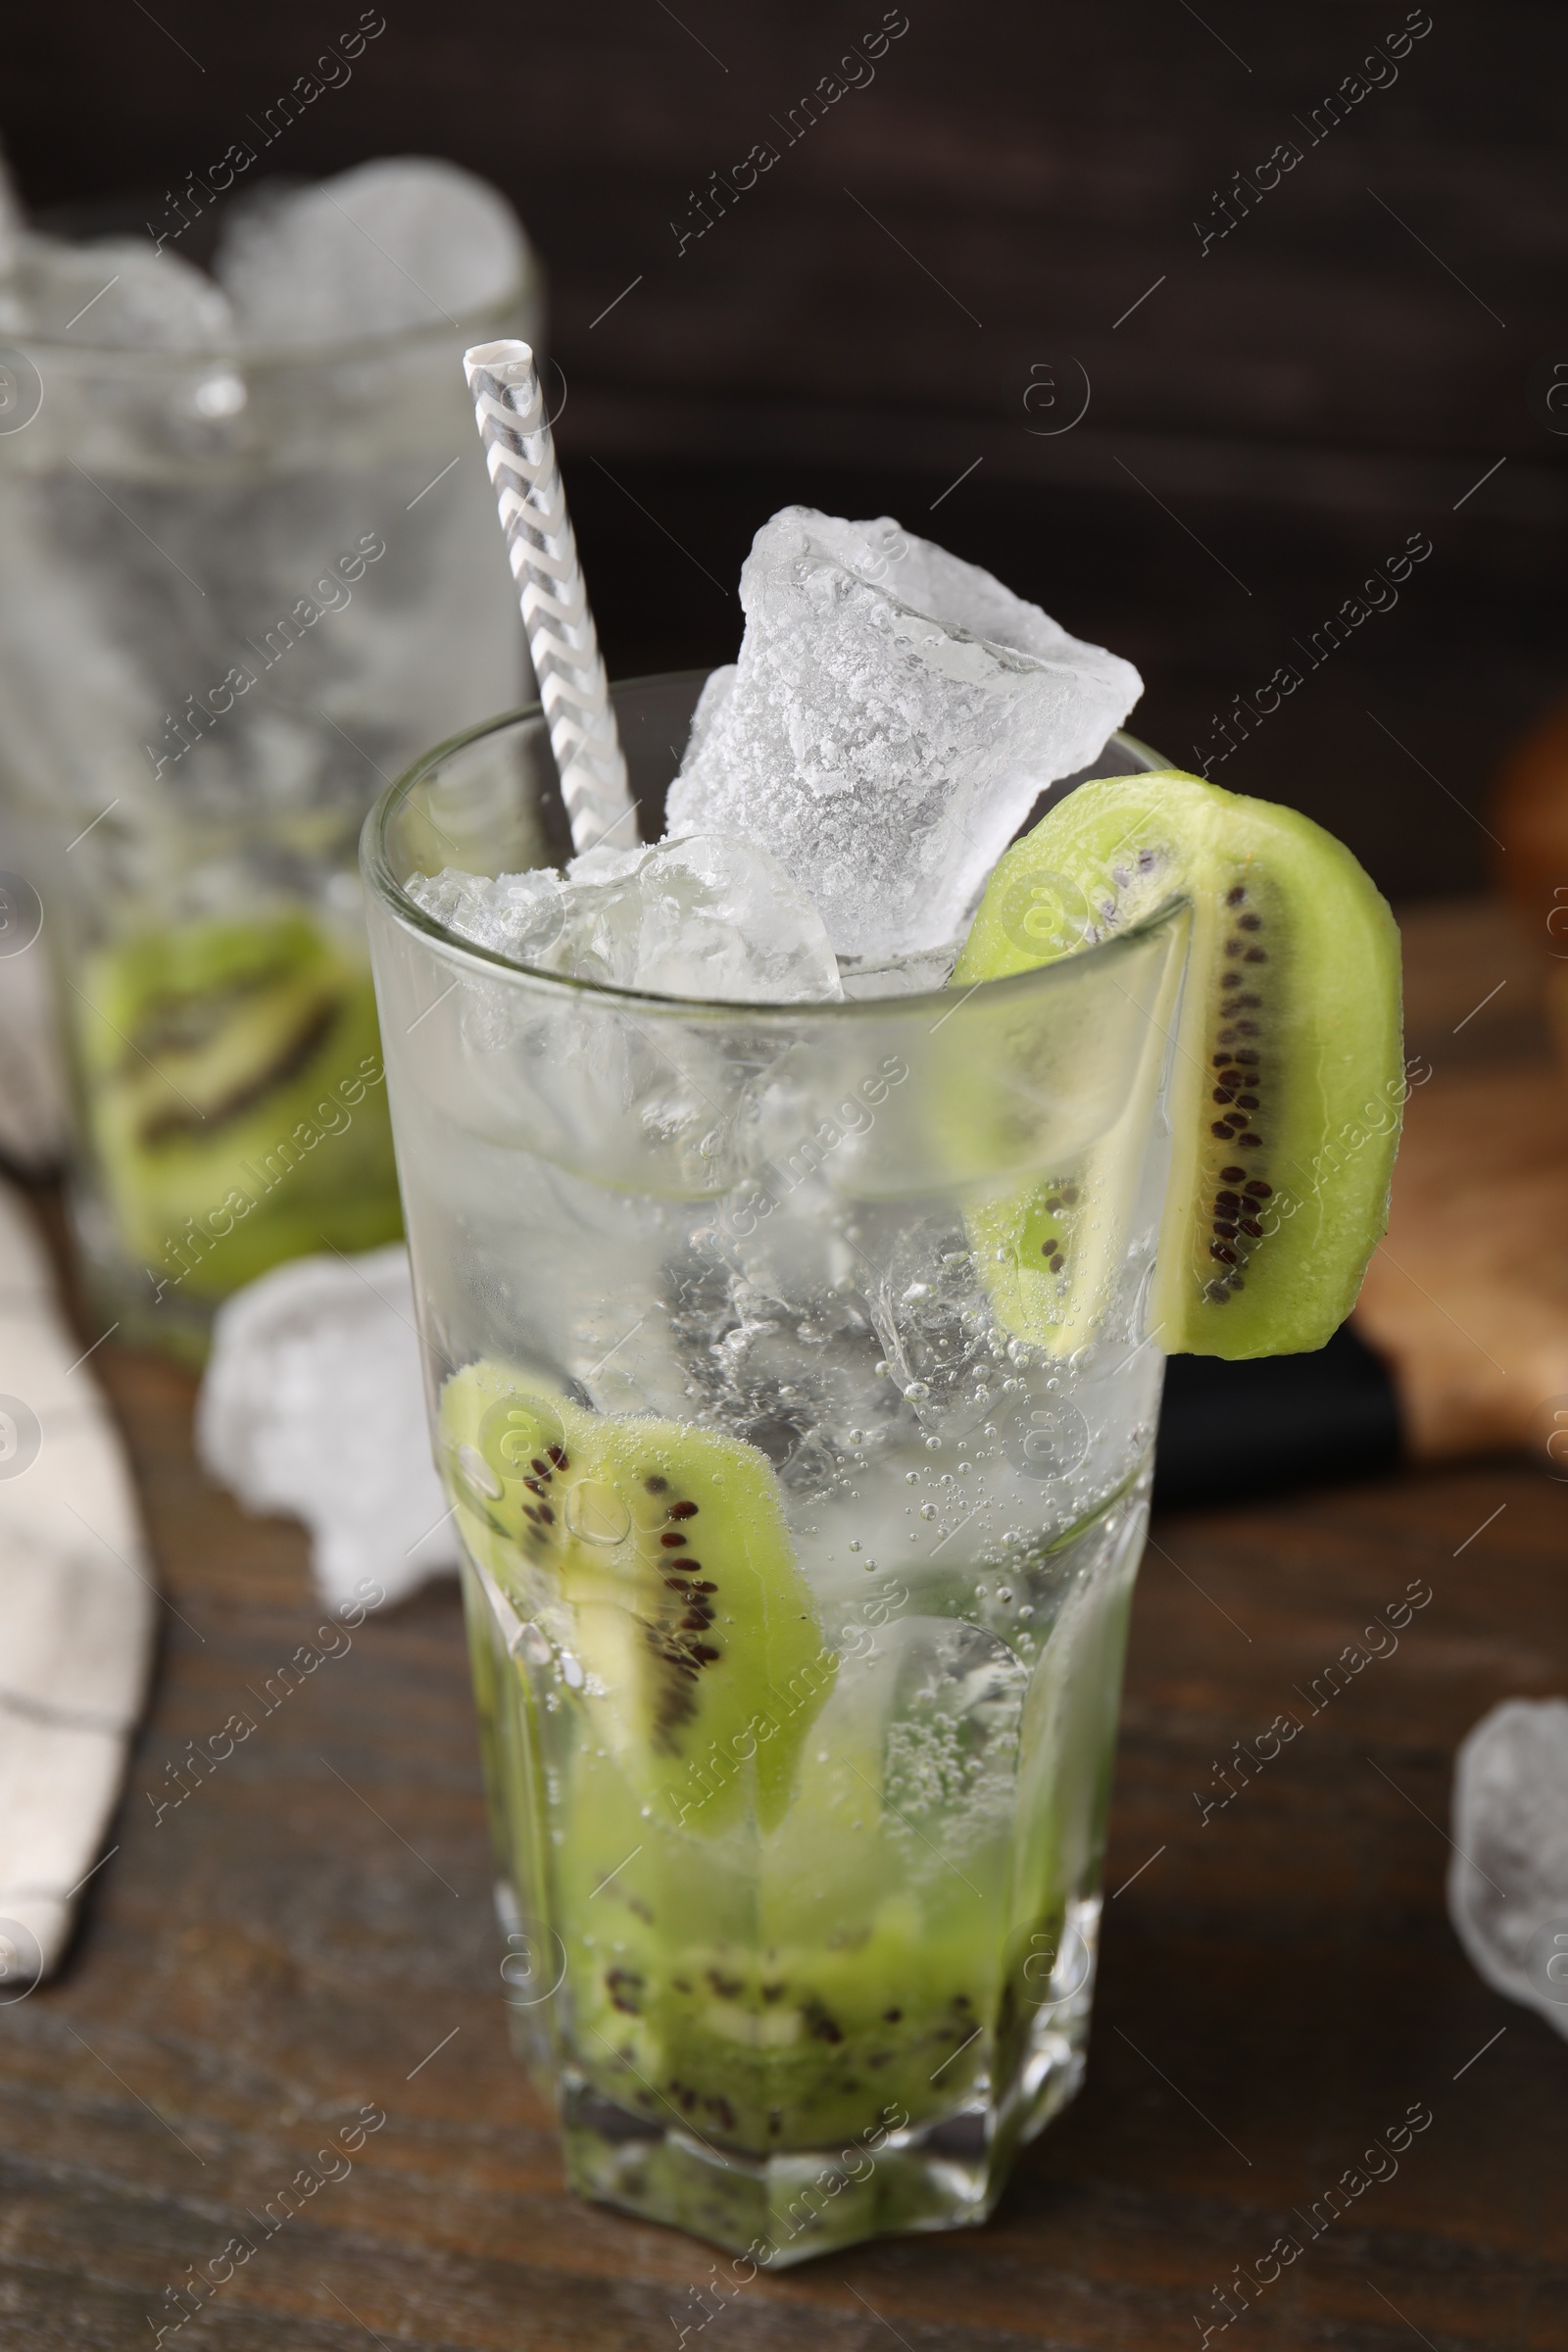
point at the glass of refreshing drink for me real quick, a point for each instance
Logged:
(251, 570)
(793, 1366)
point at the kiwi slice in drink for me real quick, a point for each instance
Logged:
(231, 1087)
(1045, 1253)
(658, 1557)
(1286, 1081)
(778, 2047)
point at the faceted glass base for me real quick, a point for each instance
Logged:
(775, 2211)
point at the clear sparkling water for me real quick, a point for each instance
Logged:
(759, 1225)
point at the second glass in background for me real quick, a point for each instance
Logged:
(241, 590)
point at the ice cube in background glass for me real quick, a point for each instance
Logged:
(892, 717)
(118, 294)
(402, 242)
(1508, 1871)
(704, 916)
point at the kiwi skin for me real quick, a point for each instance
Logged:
(1287, 1080)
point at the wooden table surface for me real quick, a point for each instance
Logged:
(311, 1933)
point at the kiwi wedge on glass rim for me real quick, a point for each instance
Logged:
(1287, 1075)
(656, 1557)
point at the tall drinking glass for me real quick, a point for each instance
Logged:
(241, 590)
(797, 1583)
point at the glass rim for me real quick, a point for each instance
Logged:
(240, 357)
(376, 869)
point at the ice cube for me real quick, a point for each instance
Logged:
(717, 688)
(402, 242)
(313, 1405)
(516, 916)
(1509, 1876)
(703, 917)
(892, 717)
(604, 863)
(119, 294)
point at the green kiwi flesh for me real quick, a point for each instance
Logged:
(788, 2046)
(1043, 1252)
(658, 1553)
(231, 1085)
(1286, 1081)
(696, 1842)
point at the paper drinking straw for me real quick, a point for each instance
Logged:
(520, 453)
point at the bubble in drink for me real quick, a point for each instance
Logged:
(1044, 1441)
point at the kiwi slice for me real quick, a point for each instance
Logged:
(231, 1083)
(658, 1557)
(790, 2045)
(1287, 1078)
(1046, 1252)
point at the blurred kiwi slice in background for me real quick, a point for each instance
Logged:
(233, 1098)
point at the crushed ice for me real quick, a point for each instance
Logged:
(705, 917)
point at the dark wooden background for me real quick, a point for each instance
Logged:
(1323, 383)
(1279, 1984)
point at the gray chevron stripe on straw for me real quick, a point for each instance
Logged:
(520, 453)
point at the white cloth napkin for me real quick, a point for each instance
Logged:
(76, 1610)
(314, 1406)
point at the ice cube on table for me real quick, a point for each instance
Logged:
(892, 716)
(404, 242)
(312, 1403)
(1509, 1873)
(118, 294)
(703, 917)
